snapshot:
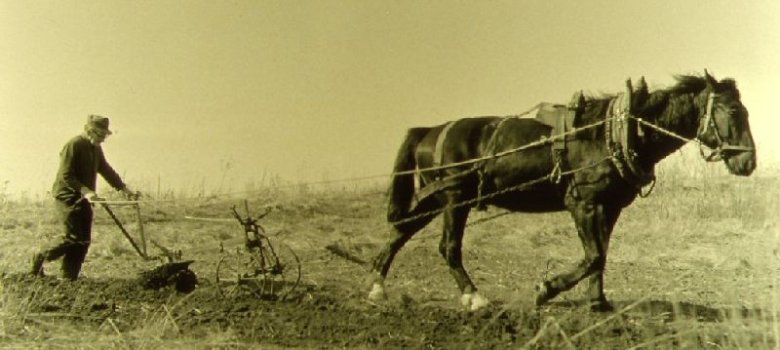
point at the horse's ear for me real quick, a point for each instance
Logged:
(577, 101)
(641, 90)
(711, 82)
(639, 93)
(641, 86)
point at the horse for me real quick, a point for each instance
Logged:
(508, 162)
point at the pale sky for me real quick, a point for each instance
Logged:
(315, 90)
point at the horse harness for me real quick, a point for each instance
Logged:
(561, 118)
(621, 133)
(722, 146)
(440, 182)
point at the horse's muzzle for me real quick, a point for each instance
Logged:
(740, 163)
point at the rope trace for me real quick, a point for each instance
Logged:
(518, 187)
(549, 177)
(540, 142)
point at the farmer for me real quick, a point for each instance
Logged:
(74, 191)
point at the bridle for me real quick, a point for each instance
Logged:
(722, 149)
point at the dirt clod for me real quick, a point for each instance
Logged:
(175, 274)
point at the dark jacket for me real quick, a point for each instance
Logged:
(80, 162)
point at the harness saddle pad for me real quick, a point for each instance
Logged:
(560, 118)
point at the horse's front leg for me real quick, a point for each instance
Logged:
(596, 281)
(450, 248)
(591, 226)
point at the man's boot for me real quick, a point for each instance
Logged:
(72, 261)
(70, 269)
(37, 264)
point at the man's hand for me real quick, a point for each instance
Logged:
(130, 194)
(93, 197)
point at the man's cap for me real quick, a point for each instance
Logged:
(98, 122)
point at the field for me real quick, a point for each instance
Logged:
(692, 266)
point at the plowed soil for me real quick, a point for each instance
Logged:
(324, 316)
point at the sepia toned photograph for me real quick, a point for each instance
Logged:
(352, 174)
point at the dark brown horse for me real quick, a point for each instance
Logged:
(591, 170)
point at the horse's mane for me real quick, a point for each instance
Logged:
(694, 84)
(686, 83)
(659, 98)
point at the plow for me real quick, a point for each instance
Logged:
(258, 267)
(175, 272)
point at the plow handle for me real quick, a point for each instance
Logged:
(124, 232)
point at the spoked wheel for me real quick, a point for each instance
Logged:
(230, 269)
(261, 271)
(280, 270)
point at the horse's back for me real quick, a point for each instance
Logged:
(521, 140)
(482, 137)
(452, 142)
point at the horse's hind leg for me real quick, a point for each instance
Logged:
(450, 248)
(403, 232)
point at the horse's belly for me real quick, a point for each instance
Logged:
(538, 200)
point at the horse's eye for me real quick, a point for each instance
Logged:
(731, 111)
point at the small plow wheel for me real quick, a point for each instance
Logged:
(261, 271)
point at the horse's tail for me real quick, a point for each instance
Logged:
(402, 186)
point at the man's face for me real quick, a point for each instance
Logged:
(97, 136)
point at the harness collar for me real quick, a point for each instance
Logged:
(622, 132)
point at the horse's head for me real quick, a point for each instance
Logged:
(724, 127)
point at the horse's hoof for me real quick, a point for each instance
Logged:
(544, 292)
(377, 292)
(601, 306)
(473, 301)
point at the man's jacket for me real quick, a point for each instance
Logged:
(80, 162)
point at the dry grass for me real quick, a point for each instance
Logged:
(693, 266)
